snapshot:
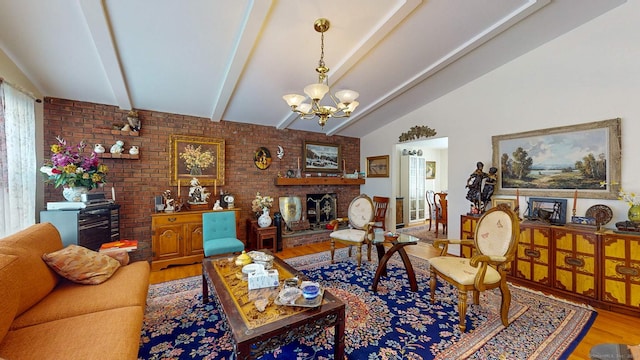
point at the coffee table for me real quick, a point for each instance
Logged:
(256, 333)
(397, 245)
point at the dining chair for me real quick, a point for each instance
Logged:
(440, 201)
(432, 206)
(495, 240)
(360, 232)
(380, 205)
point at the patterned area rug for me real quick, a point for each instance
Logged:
(422, 232)
(395, 323)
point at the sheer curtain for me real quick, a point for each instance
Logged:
(17, 160)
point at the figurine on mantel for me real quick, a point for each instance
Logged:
(197, 193)
(133, 120)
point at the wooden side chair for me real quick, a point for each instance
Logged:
(432, 206)
(360, 232)
(380, 205)
(495, 240)
(440, 201)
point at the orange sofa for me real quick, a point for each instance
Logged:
(45, 316)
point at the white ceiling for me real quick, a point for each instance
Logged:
(233, 60)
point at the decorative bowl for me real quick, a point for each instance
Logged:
(252, 268)
(310, 289)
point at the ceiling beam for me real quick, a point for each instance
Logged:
(252, 24)
(97, 21)
(490, 32)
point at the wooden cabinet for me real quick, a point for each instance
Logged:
(467, 232)
(575, 261)
(399, 212)
(621, 266)
(598, 268)
(177, 238)
(532, 261)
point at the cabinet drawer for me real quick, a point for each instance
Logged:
(177, 218)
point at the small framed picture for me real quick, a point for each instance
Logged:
(509, 202)
(321, 157)
(431, 169)
(378, 166)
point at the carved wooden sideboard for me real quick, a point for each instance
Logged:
(177, 238)
(598, 268)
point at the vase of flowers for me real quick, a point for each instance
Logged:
(634, 205)
(69, 168)
(261, 205)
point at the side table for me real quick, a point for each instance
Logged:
(397, 245)
(257, 236)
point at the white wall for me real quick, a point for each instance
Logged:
(589, 74)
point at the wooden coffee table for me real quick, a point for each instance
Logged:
(256, 333)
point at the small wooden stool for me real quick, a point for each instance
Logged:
(267, 233)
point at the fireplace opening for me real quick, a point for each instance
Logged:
(321, 208)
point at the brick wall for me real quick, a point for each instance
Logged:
(137, 182)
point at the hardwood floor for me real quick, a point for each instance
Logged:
(609, 327)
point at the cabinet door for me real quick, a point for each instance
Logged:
(193, 240)
(532, 257)
(621, 267)
(467, 232)
(166, 242)
(575, 262)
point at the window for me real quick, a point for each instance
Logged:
(17, 160)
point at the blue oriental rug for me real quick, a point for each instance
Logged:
(394, 323)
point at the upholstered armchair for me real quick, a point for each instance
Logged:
(360, 232)
(495, 241)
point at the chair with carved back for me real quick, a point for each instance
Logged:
(432, 206)
(380, 205)
(360, 232)
(440, 201)
(495, 240)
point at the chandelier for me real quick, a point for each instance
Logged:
(343, 101)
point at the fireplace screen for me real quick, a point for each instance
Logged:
(321, 208)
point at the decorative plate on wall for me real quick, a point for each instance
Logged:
(262, 158)
(602, 214)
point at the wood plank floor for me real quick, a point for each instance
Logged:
(609, 327)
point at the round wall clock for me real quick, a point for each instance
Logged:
(262, 158)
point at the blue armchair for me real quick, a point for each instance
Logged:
(219, 233)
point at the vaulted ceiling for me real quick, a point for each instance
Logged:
(233, 60)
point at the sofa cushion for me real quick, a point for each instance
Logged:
(82, 265)
(9, 296)
(105, 335)
(127, 287)
(122, 256)
(36, 279)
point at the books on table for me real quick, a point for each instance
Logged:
(127, 245)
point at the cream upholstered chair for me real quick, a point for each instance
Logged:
(495, 241)
(360, 232)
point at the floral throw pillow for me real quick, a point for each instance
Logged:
(81, 265)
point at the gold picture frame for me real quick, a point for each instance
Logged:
(378, 166)
(510, 202)
(430, 167)
(558, 161)
(185, 151)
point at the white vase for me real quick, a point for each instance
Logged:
(74, 193)
(264, 220)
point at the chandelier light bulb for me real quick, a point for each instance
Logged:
(293, 100)
(347, 96)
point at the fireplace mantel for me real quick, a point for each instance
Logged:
(317, 181)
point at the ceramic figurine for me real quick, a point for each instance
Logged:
(133, 120)
(98, 149)
(118, 147)
(134, 150)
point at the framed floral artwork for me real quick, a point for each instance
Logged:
(196, 157)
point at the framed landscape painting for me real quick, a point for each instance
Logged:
(196, 157)
(321, 157)
(558, 161)
(378, 166)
